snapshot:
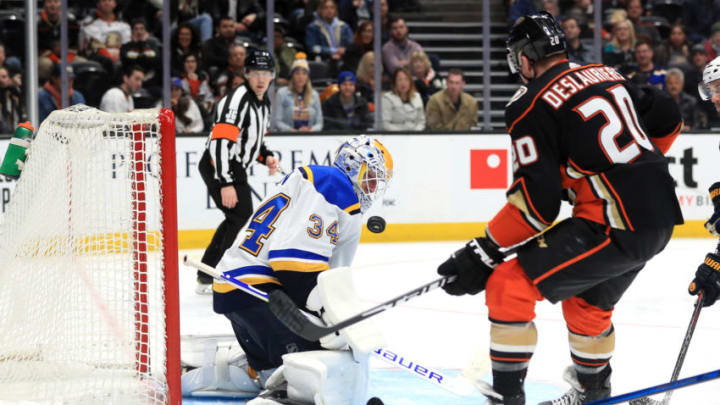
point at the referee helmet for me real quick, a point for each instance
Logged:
(259, 59)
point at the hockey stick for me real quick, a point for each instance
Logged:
(681, 356)
(458, 386)
(683, 350)
(290, 315)
(683, 382)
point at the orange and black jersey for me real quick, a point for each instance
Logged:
(577, 135)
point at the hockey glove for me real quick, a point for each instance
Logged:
(707, 278)
(713, 224)
(472, 264)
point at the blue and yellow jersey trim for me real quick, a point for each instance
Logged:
(297, 260)
(251, 275)
(334, 186)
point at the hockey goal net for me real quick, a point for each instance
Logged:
(88, 264)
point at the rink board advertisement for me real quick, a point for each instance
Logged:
(444, 186)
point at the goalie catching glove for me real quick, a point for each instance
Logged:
(473, 265)
(707, 279)
(713, 224)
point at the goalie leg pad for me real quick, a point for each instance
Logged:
(336, 299)
(326, 377)
(227, 371)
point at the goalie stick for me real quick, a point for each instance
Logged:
(458, 386)
(291, 316)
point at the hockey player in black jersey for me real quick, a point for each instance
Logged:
(584, 135)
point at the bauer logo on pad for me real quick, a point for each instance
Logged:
(488, 168)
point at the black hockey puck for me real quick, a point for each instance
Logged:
(376, 224)
(375, 400)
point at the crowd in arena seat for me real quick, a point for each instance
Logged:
(323, 50)
(325, 60)
(663, 43)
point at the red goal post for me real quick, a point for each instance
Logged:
(89, 308)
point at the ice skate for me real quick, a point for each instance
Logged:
(493, 398)
(578, 395)
(204, 284)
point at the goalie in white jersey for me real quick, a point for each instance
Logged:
(311, 224)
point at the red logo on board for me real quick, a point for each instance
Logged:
(488, 168)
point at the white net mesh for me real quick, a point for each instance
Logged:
(81, 281)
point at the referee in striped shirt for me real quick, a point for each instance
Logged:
(235, 143)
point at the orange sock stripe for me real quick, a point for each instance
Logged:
(509, 359)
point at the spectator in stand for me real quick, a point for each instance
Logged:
(297, 106)
(366, 77)
(185, 41)
(619, 50)
(362, 44)
(712, 45)
(552, 7)
(148, 10)
(427, 81)
(327, 35)
(452, 108)
(196, 83)
(402, 106)
(12, 107)
(397, 51)
(195, 14)
(644, 71)
(355, 11)
(384, 21)
(692, 116)
(635, 12)
(582, 10)
(48, 31)
(577, 52)
(49, 96)
(237, 79)
(284, 56)
(15, 77)
(699, 16)
(236, 65)
(217, 49)
(120, 98)
(102, 38)
(12, 63)
(346, 110)
(245, 12)
(675, 50)
(144, 51)
(693, 75)
(188, 119)
(519, 8)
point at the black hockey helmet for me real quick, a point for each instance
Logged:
(536, 36)
(259, 59)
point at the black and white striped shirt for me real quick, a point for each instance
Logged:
(240, 126)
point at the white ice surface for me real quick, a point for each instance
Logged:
(445, 331)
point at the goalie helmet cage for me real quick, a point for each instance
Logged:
(89, 310)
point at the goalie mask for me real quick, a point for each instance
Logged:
(368, 165)
(535, 36)
(711, 73)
